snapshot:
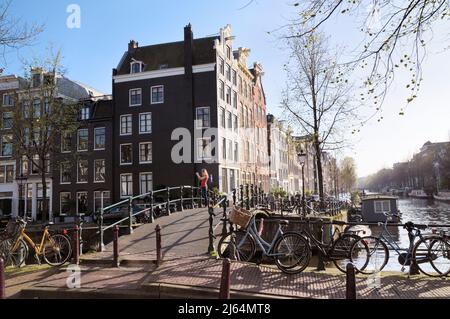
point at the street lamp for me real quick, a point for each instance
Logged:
(302, 160)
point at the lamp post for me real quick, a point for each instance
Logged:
(302, 160)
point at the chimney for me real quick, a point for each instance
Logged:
(188, 48)
(133, 45)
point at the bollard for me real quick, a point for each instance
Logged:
(351, 282)
(225, 281)
(101, 245)
(414, 268)
(76, 245)
(158, 246)
(116, 262)
(2, 280)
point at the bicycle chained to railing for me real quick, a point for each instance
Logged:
(430, 253)
(55, 249)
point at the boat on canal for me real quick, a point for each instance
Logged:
(377, 208)
(442, 196)
(419, 193)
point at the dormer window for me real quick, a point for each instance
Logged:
(84, 114)
(37, 80)
(136, 67)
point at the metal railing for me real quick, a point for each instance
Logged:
(163, 199)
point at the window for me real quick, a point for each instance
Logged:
(47, 106)
(66, 142)
(135, 97)
(382, 206)
(83, 140)
(7, 120)
(221, 66)
(99, 138)
(37, 108)
(34, 165)
(65, 203)
(84, 113)
(157, 94)
(235, 123)
(126, 127)
(230, 150)
(235, 99)
(146, 183)
(136, 67)
(228, 52)
(145, 153)
(229, 120)
(236, 152)
(126, 185)
(101, 199)
(204, 148)
(6, 174)
(6, 147)
(8, 100)
(222, 90)
(224, 148)
(203, 117)
(222, 117)
(145, 123)
(36, 79)
(66, 173)
(24, 166)
(26, 109)
(82, 203)
(228, 95)
(126, 154)
(234, 77)
(82, 171)
(228, 72)
(240, 84)
(99, 171)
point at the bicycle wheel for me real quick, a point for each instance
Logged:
(369, 255)
(17, 257)
(340, 252)
(432, 255)
(238, 245)
(57, 250)
(292, 253)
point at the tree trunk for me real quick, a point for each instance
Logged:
(44, 191)
(319, 174)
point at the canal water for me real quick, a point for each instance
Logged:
(419, 211)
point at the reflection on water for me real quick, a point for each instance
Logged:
(419, 211)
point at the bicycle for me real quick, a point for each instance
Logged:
(430, 249)
(55, 249)
(339, 250)
(290, 250)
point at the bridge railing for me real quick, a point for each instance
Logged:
(165, 199)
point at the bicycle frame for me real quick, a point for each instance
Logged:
(38, 249)
(320, 244)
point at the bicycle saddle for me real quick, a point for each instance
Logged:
(48, 224)
(284, 222)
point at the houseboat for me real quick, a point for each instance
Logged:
(419, 193)
(442, 196)
(379, 208)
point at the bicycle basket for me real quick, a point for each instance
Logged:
(240, 217)
(12, 228)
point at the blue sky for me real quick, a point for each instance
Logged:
(92, 51)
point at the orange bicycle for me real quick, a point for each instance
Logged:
(55, 249)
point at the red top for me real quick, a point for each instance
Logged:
(204, 181)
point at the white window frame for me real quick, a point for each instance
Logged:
(87, 178)
(382, 202)
(120, 125)
(78, 140)
(197, 150)
(61, 175)
(95, 162)
(151, 123)
(3, 100)
(120, 180)
(141, 67)
(197, 121)
(95, 138)
(71, 142)
(129, 97)
(147, 162)
(140, 182)
(151, 94)
(101, 195)
(87, 202)
(3, 120)
(1, 146)
(60, 202)
(85, 113)
(120, 153)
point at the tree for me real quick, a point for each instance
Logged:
(395, 35)
(13, 33)
(41, 114)
(348, 174)
(316, 100)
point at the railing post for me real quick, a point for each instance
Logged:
(224, 218)
(168, 202)
(76, 245)
(152, 212)
(130, 216)
(101, 245)
(158, 246)
(252, 196)
(247, 195)
(225, 281)
(2, 279)
(234, 197)
(181, 198)
(211, 230)
(116, 262)
(241, 189)
(351, 282)
(320, 263)
(192, 197)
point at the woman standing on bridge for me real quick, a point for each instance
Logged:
(204, 178)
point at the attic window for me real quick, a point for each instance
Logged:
(36, 80)
(136, 67)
